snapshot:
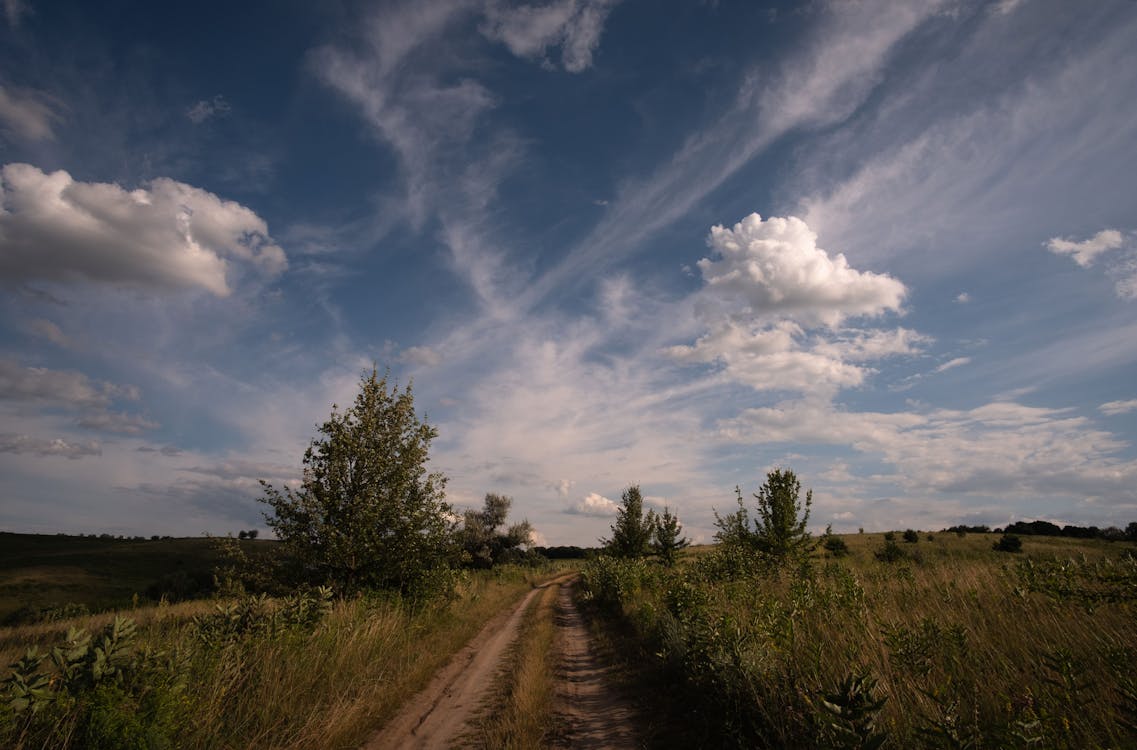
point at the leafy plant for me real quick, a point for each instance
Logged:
(849, 715)
(633, 531)
(668, 539)
(911, 536)
(1008, 543)
(780, 528)
(891, 552)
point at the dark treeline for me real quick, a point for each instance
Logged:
(1046, 528)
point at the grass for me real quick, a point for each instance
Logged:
(962, 645)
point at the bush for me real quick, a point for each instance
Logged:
(911, 536)
(1008, 543)
(889, 536)
(891, 552)
(836, 546)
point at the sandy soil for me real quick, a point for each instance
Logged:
(587, 712)
(441, 713)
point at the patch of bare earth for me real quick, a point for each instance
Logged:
(587, 711)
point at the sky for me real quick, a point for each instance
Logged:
(888, 244)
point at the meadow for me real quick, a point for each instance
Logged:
(952, 644)
(298, 671)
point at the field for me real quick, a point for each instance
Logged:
(44, 576)
(953, 645)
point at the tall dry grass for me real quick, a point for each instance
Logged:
(327, 687)
(958, 641)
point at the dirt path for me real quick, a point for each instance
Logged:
(436, 717)
(587, 712)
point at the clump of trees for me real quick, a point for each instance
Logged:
(638, 534)
(779, 529)
(483, 543)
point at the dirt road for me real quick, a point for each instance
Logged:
(586, 713)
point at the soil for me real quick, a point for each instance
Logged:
(586, 711)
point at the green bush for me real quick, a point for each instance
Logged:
(891, 552)
(1008, 543)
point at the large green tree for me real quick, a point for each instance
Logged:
(633, 531)
(368, 513)
(780, 527)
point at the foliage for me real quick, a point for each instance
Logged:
(633, 531)
(668, 539)
(891, 552)
(911, 536)
(1008, 543)
(849, 715)
(484, 545)
(367, 514)
(779, 530)
(834, 544)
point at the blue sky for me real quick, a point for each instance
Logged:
(890, 245)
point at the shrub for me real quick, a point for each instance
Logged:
(779, 531)
(911, 536)
(889, 536)
(891, 552)
(1008, 543)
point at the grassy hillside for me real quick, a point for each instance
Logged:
(40, 572)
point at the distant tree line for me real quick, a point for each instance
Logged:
(1046, 528)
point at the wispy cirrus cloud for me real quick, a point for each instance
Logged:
(27, 114)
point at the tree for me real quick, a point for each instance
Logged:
(481, 539)
(779, 530)
(667, 540)
(632, 533)
(367, 513)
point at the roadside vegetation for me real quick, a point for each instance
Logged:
(774, 639)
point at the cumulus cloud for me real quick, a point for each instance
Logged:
(27, 114)
(25, 444)
(773, 304)
(168, 235)
(530, 30)
(1086, 251)
(69, 390)
(963, 298)
(776, 268)
(593, 504)
(207, 108)
(1113, 408)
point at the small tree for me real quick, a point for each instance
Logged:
(668, 539)
(633, 531)
(367, 514)
(779, 530)
(481, 539)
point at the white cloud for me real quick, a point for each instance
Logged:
(53, 387)
(27, 114)
(1113, 408)
(168, 235)
(777, 269)
(562, 486)
(120, 422)
(422, 356)
(1086, 251)
(963, 298)
(996, 448)
(206, 109)
(593, 504)
(530, 30)
(45, 329)
(20, 444)
(952, 364)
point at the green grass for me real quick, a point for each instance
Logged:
(40, 571)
